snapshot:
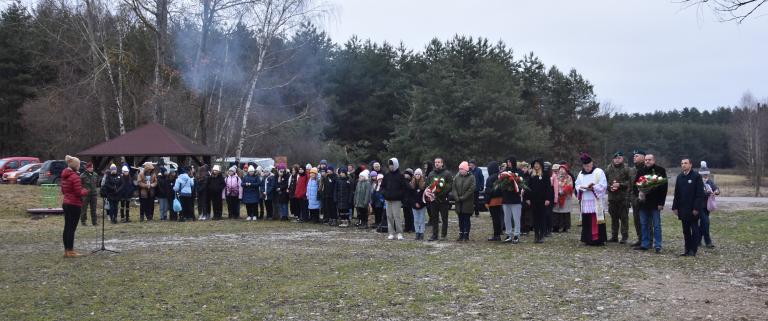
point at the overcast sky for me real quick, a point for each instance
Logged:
(641, 55)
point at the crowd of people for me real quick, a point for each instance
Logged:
(519, 196)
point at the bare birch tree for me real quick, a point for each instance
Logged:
(271, 19)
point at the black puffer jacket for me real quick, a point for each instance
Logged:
(394, 185)
(343, 194)
(493, 176)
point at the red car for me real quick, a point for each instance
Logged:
(13, 163)
(10, 177)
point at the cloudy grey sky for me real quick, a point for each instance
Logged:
(641, 55)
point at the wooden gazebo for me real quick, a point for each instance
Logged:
(150, 140)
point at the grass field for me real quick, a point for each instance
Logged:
(239, 270)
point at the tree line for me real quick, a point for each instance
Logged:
(259, 78)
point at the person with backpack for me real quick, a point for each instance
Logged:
(233, 193)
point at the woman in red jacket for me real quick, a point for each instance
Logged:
(73, 200)
(301, 194)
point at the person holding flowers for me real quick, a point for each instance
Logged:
(652, 185)
(440, 182)
(591, 185)
(562, 209)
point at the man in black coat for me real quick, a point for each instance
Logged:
(394, 187)
(689, 200)
(651, 205)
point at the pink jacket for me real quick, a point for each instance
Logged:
(232, 185)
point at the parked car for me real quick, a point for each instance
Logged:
(29, 178)
(50, 172)
(10, 177)
(13, 163)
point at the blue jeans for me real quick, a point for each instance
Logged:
(163, 208)
(419, 219)
(704, 227)
(282, 208)
(648, 217)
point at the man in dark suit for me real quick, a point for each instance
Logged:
(689, 200)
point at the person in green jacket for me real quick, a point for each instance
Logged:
(362, 199)
(90, 182)
(618, 191)
(464, 192)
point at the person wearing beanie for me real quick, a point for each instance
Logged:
(327, 190)
(377, 202)
(619, 185)
(363, 198)
(343, 197)
(463, 192)
(146, 180)
(110, 189)
(90, 181)
(437, 198)
(162, 191)
(711, 191)
(184, 186)
(638, 162)
(562, 209)
(252, 192)
(201, 192)
(127, 188)
(591, 186)
(539, 196)
(651, 205)
(281, 192)
(233, 193)
(313, 196)
(74, 192)
(416, 187)
(300, 193)
(393, 189)
(512, 203)
(268, 189)
(216, 185)
(493, 201)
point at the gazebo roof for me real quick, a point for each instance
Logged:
(151, 139)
